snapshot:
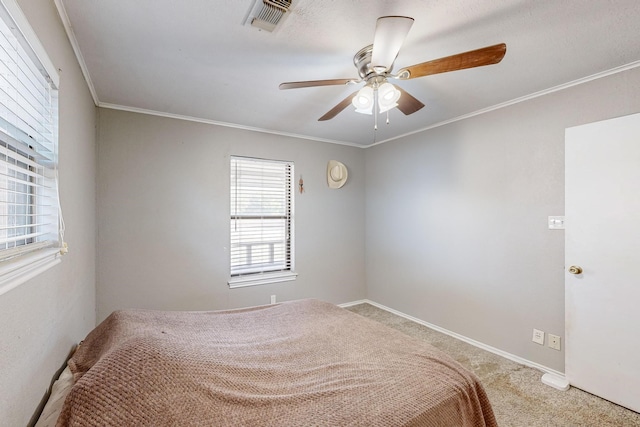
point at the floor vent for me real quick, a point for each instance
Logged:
(266, 14)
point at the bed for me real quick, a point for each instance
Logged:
(299, 363)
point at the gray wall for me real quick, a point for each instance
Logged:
(43, 318)
(163, 216)
(456, 217)
(456, 230)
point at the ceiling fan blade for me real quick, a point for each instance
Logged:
(407, 103)
(387, 41)
(312, 83)
(474, 58)
(338, 108)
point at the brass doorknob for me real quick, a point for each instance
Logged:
(574, 269)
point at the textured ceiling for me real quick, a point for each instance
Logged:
(199, 60)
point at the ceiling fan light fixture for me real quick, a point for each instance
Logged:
(368, 111)
(363, 101)
(388, 97)
(385, 108)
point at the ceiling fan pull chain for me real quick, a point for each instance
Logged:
(375, 109)
(387, 116)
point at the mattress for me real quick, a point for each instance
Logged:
(59, 391)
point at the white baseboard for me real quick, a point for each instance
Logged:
(352, 303)
(552, 377)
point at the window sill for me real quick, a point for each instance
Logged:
(261, 279)
(16, 271)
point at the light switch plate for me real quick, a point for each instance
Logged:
(556, 223)
(538, 337)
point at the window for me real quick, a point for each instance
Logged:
(261, 221)
(29, 208)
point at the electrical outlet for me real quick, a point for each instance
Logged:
(538, 337)
(554, 342)
(273, 299)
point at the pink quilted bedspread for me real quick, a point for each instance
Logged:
(301, 363)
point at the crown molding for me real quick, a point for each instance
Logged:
(521, 99)
(225, 124)
(76, 49)
(534, 95)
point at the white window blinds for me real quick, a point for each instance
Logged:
(261, 216)
(29, 209)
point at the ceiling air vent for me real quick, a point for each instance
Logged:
(266, 14)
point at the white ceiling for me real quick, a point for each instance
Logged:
(198, 59)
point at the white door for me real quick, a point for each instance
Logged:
(602, 237)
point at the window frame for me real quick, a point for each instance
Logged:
(25, 262)
(260, 276)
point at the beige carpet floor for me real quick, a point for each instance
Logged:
(518, 397)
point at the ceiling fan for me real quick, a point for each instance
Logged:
(375, 65)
